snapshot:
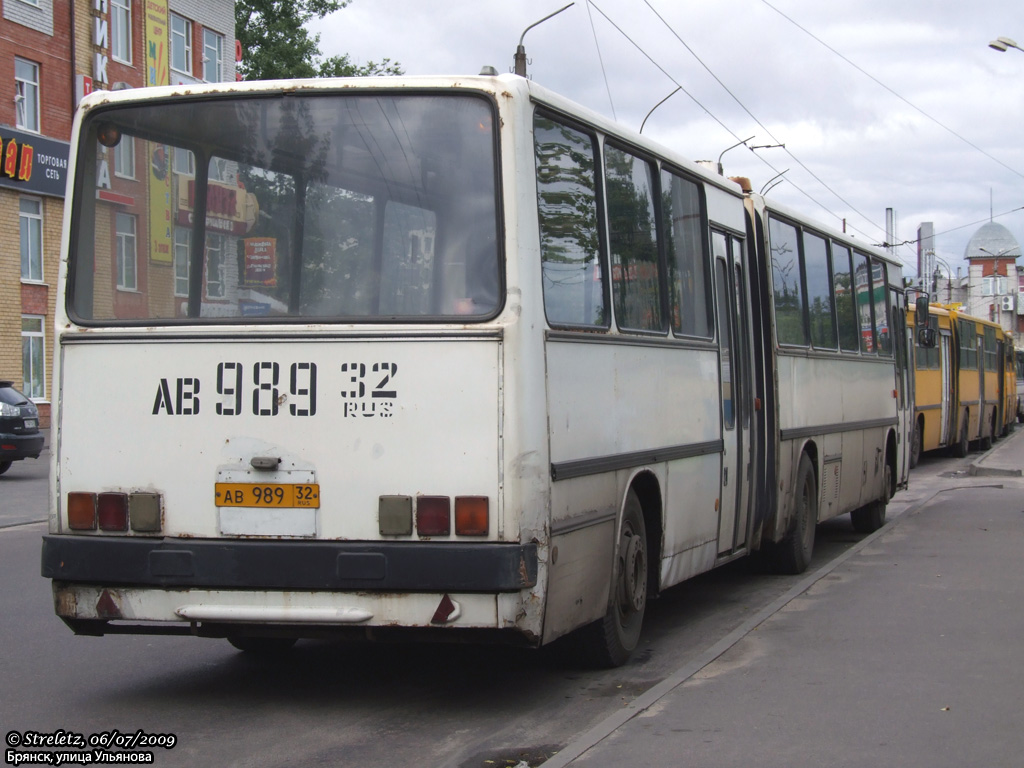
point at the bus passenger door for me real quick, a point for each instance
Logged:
(902, 349)
(948, 395)
(734, 343)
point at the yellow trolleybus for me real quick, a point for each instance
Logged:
(964, 385)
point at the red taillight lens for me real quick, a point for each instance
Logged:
(112, 510)
(471, 515)
(433, 516)
(82, 511)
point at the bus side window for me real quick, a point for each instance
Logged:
(688, 262)
(846, 310)
(883, 339)
(819, 292)
(633, 246)
(570, 242)
(865, 303)
(787, 284)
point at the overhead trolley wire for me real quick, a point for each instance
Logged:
(906, 101)
(743, 106)
(726, 128)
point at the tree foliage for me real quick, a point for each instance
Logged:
(276, 43)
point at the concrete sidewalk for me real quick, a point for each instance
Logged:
(906, 651)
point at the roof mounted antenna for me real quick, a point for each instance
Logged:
(520, 57)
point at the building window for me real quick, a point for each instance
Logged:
(181, 44)
(33, 356)
(127, 279)
(184, 162)
(215, 266)
(121, 30)
(124, 158)
(30, 218)
(993, 286)
(213, 55)
(26, 95)
(182, 236)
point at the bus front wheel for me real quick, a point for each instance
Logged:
(608, 642)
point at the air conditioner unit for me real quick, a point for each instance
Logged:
(1007, 303)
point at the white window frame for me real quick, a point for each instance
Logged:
(121, 30)
(34, 381)
(30, 224)
(124, 158)
(184, 162)
(26, 97)
(127, 252)
(213, 56)
(182, 37)
(182, 259)
(33, 3)
(215, 247)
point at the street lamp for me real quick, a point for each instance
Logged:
(1002, 43)
(949, 279)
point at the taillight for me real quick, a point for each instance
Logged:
(82, 511)
(115, 511)
(471, 516)
(112, 510)
(433, 515)
(394, 515)
(144, 512)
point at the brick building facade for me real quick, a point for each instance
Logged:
(51, 53)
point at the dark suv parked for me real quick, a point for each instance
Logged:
(20, 437)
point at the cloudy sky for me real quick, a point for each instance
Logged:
(880, 103)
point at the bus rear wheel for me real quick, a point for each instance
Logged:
(263, 646)
(987, 440)
(608, 642)
(870, 518)
(915, 444)
(963, 447)
(793, 553)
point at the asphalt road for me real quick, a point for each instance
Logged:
(343, 704)
(23, 491)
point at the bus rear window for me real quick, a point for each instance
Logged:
(328, 208)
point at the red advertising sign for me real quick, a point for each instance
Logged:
(260, 261)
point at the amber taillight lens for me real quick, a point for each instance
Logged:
(82, 511)
(471, 516)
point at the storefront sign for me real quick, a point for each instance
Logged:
(33, 163)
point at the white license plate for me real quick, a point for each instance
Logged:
(29, 423)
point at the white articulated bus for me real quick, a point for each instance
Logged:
(437, 358)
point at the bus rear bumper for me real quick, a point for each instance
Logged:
(220, 588)
(99, 610)
(290, 565)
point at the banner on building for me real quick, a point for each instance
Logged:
(158, 73)
(260, 261)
